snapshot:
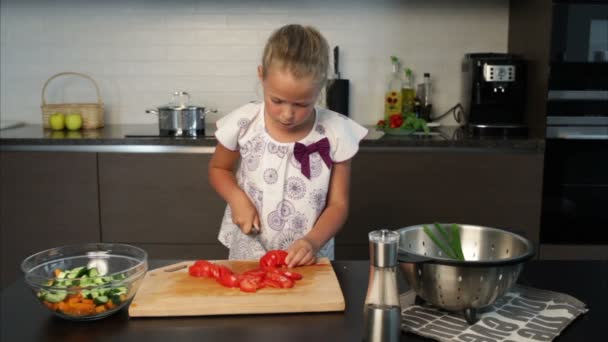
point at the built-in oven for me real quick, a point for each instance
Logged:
(575, 188)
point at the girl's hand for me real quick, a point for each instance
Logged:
(301, 253)
(245, 215)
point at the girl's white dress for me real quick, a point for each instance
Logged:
(288, 203)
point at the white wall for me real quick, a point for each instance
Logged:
(141, 51)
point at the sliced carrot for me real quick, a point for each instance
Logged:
(100, 309)
(84, 308)
(57, 272)
(63, 306)
(88, 302)
(52, 306)
(110, 305)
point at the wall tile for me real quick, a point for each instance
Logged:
(140, 52)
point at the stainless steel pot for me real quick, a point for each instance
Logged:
(493, 260)
(179, 118)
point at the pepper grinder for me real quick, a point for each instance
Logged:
(382, 310)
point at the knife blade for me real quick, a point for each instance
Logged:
(255, 234)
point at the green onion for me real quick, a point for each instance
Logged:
(445, 250)
(450, 245)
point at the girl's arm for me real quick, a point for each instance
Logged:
(331, 220)
(222, 179)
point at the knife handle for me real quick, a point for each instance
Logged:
(337, 61)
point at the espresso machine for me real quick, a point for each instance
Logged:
(493, 90)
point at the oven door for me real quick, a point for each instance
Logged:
(579, 32)
(575, 189)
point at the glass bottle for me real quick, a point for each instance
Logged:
(407, 92)
(426, 104)
(382, 310)
(393, 98)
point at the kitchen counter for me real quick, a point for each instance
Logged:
(113, 138)
(23, 319)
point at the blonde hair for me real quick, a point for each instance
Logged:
(300, 49)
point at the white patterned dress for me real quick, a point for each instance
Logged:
(288, 203)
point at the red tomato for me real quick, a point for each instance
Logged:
(272, 283)
(250, 283)
(283, 280)
(274, 258)
(227, 278)
(196, 271)
(292, 275)
(256, 272)
(201, 263)
(271, 273)
(214, 271)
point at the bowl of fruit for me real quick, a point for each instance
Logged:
(87, 281)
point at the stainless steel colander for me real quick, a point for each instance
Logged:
(493, 260)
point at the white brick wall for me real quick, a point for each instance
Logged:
(141, 51)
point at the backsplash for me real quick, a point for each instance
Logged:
(139, 52)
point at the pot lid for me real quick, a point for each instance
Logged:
(180, 101)
(176, 107)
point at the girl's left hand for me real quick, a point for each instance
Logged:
(301, 253)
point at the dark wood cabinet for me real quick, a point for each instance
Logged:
(162, 200)
(46, 200)
(394, 189)
(530, 37)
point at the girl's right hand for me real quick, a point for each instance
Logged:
(245, 215)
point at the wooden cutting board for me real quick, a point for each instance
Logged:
(171, 291)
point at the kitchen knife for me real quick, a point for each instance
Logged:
(337, 91)
(337, 62)
(255, 234)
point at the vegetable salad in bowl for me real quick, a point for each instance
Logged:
(88, 281)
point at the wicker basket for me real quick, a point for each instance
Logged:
(92, 113)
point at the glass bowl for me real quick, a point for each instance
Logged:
(88, 281)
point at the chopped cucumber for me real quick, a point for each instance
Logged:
(116, 299)
(118, 291)
(55, 297)
(85, 277)
(100, 300)
(75, 272)
(93, 272)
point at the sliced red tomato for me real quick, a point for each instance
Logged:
(283, 280)
(271, 273)
(250, 283)
(256, 272)
(201, 268)
(214, 271)
(291, 275)
(227, 278)
(274, 258)
(272, 283)
(196, 271)
(200, 263)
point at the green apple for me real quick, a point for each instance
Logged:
(74, 134)
(58, 134)
(73, 121)
(57, 121)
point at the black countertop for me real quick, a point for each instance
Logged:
(33, 136)
(24, 319)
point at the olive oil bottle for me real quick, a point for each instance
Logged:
(407, 92)
(393, 97)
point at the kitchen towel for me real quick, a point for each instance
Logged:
(522, 314)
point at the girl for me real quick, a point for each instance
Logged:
(292, 185)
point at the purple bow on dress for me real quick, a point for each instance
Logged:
(302, 153)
